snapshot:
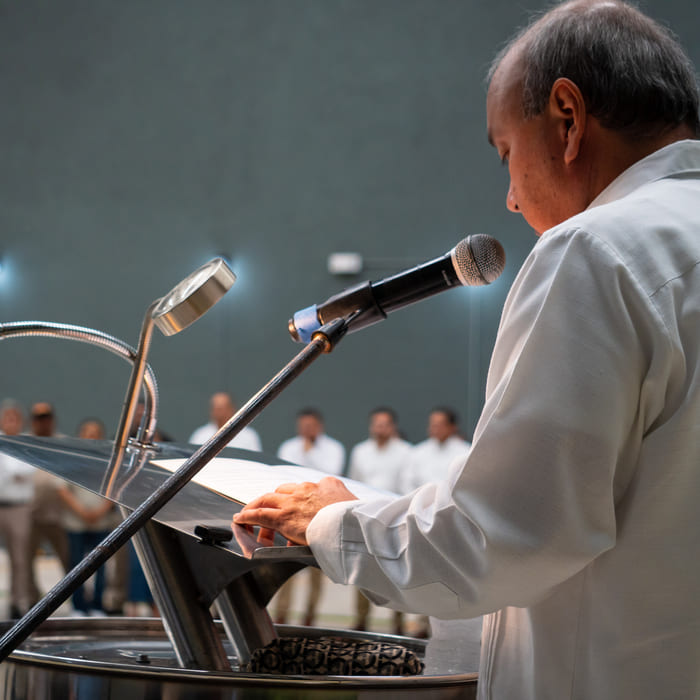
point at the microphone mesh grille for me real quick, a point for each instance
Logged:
(478, 259)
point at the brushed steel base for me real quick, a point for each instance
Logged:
(131, 658)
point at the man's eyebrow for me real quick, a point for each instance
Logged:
(489, 136)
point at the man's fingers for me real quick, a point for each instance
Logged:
(291, 507)
(265, 517)
(267, 500)
(287, 488)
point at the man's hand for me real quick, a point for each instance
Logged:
(291, 507)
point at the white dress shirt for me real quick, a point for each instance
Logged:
(380, 466)
(431, 460)
(575, 517)
(247, 439)
(326, 454)
(91, 501)
(16, 480)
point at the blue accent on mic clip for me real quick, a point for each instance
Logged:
(306, 322)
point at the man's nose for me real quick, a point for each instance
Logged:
(510, 201)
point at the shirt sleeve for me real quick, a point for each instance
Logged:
(552, 454)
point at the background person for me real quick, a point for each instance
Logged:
(47, 511)
(88, 518)
(430, 460)
(221, 410)
(16, 496)
(311, 447)
(379, 462)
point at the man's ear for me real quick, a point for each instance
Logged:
(568, 108)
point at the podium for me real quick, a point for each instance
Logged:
(210, 579)
(211, 591)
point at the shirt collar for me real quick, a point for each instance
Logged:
(675, 159)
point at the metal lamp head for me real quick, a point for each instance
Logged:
(193, 297)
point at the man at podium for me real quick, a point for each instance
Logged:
(573, 522)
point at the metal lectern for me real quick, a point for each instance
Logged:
(210, 580)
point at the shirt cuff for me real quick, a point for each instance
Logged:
(324, 535)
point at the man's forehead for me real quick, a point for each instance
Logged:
(221, 401)
(505, 89)
(382, 416)
(508, 74)
(41, 409)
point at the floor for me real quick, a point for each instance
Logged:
(336, 610)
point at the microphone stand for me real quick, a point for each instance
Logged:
(323, 341)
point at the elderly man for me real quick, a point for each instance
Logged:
(574, 520)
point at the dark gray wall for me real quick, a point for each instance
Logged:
(140, 139)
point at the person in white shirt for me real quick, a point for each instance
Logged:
(431, 459)
(221, 409)
(88, 519)
(47, 511)
(379, 461)
(16, 496)
(311, 447)
(574, 521)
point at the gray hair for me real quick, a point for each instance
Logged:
(632, 72)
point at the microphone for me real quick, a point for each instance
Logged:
(477, 260)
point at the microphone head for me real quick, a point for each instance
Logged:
(478, 259)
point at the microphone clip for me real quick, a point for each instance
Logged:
(357, 304)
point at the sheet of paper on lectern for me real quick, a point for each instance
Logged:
(243, 480)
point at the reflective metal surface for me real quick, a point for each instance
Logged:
(46, 329)
(83, 462)
(118, 658)
(122, 473)
(131, 657)
(194, 296)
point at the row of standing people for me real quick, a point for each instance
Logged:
(38, 508)
(384, 461)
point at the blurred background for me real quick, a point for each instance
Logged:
(139, 139)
